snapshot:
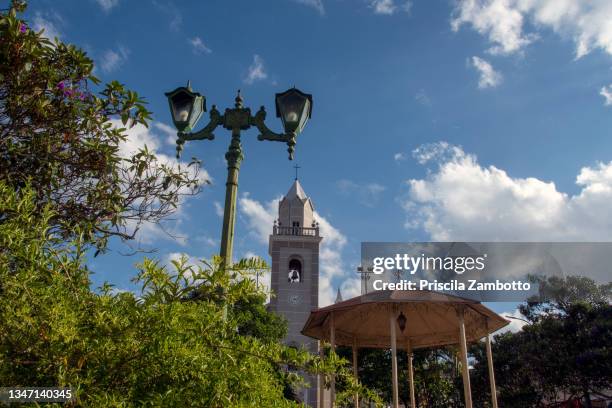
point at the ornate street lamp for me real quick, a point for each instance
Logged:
(186, 107)
(293, 107)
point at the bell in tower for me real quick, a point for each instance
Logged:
(294, 249)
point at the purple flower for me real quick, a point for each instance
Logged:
(23, 28)
(61, 85)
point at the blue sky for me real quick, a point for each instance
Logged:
(432, 120)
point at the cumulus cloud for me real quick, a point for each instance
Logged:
(516, 322)
(389, 7)
(367, 194)
(137, 138)
(175, 256)
(198, 47)
(441, 151)
(49, 22)
(503, 22)
(315, 4)
(398, 157)
(259, 218)
(107, 5)
(606, 92)
(168, 131)
(113, 60)
(193, 261)
(489, 77)
(256, 71)
(461, 200)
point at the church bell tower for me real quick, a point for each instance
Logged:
(294, 249)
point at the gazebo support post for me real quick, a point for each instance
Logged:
(332, 340)
(467, 391)
(321, 379)
(394, 359)
(491, 371)
(355, 372)
(411, 375)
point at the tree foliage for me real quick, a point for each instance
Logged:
(117, 349)
(56, 135)
(564, 353)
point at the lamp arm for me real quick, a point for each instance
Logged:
(206, 133)
(266, 134)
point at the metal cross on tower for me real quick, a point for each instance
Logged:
(296, 167)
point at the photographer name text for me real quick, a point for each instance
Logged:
(453, 285)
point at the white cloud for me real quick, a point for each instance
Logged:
(172, 12)
(389, 7)
(138, 137)
(606, 92)
(440, 151)
(48, 22)
(249, 255)
(260, 219)
(367, 193)
(206, 240)
(198, 46)
(460, 200)
(516, 322)
(422, 98)
(398, 157)
(315, 4)
(218, 209)
(256, 71)
(489, 78)
(168, 131)
(113, 60)
(192, 261)
(107, 5)
(175, 256)
(587, 22)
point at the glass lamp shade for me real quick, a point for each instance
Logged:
(294, 107)
(401, 321)
(186, 107)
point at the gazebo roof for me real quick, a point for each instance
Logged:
(431, 319)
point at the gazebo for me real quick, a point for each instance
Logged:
(424, 319)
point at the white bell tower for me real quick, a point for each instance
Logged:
(294, 248)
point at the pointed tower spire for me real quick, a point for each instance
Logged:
(296, 190)
(338, 296)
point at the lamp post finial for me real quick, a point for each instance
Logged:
(238, 100)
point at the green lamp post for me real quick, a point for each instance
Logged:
(293, 107)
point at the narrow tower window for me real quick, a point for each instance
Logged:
(295, 271)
